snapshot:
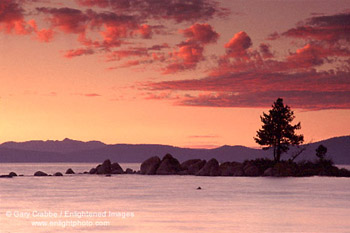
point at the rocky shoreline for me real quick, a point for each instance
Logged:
(169, 165)
(251, 168)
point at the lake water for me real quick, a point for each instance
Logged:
(137, 203)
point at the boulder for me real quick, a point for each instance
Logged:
(251, 170)
(344, 172)
(58, 174)
(168, 166)
(211, 168)
(186, 164)
(129, 171)
(193, 169)
(93, 171)
(238, 169)
(40, 173)
(70, 171)
(105, 167)
(282, 169)
(192, 166)
(226, 169)
(150, 166)
(269, 172)
(12, 174)
(230, 169)
(330, 171)
(116, 169)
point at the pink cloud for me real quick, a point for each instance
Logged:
(159, 47)
(179, 11)
(44, 35)
(265, 51)
(126, 53)
(130, 63)
(308, 100)
(12, 18)
(78, 52)
(118, 24)
(258, 89)
(114, 32)
(238, 45)
(323, 28)
(186, 58)
(92, 95)
(145, 31)
(191, 51)
(202, 33)
(68, 20)
(261, 81)
(313, 55)
(273, 36)
(90, 3)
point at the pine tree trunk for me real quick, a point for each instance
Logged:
(278, 153)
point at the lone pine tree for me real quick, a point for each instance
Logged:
(277, 131)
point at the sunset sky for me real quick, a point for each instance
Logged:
(195, 73)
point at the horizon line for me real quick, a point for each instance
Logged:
(209, 147)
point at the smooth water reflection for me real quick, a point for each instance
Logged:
(172, 203)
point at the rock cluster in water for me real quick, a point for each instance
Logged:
(108, 168)
(10, 175)
(258, 167)
(169, 165)
(70, 171)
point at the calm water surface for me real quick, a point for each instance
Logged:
(136, 203)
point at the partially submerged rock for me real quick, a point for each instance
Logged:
(269, 172)
(116, 169)
(192, 166)
(105, 167)
(58, 174)
(12, 174)
(70, 171)
(186, 164)
(168, 166)
(251, 170)
(93, 171)
(211, 168)
(129, 171)
(231, 169)
(150, 166)
(238, 169)
(40, 173)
